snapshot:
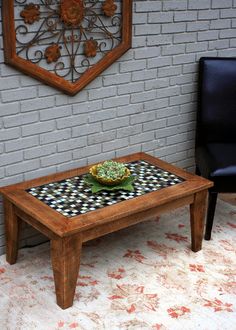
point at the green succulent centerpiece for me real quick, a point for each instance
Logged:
(110, 175)
(110, 172)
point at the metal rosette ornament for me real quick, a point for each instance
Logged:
(66, 43)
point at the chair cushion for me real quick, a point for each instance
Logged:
(217, 161)
(217, 101)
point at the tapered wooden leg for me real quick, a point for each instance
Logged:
(12, 230)
(197, 219)
(65, 255)
(210, 214)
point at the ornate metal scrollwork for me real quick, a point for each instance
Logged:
(67, 38)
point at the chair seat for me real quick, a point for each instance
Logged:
(217, 161)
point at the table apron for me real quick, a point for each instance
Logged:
(35, 223)
(133, 219)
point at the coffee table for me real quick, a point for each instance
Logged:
(62, 207)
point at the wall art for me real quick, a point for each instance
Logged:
(65, 43)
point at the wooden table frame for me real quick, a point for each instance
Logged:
(67, 235)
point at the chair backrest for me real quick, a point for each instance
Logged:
(216, 117)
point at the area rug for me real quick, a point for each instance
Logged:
(143, 277)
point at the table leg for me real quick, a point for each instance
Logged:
(197, 219)
(65, 255)
(12, 230)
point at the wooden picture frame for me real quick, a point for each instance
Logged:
(47, 76)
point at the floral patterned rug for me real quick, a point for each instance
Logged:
(143, 277)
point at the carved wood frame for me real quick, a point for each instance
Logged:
(49, 78)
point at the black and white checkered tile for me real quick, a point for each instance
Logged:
(73, 196)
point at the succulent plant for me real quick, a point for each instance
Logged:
(111, 170)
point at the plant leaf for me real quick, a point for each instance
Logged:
(97, 186)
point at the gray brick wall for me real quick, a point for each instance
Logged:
(145, 101)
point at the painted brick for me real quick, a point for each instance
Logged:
(88, 151)
(11, 158)
(113, 102)
(159, 62)
(169, 71)
(221, 4)
(53, 113)
(134, 129)
(196, 47)
(10, 133)
(19, 94)
(209, 35)
(141, 97)
(199, 4)
(208, 14)
(140, 18)
(156, 84)
(117, 79)
(148, 7)
(113, 123)
(130, 88)
(228, 13)
(154, 105)
(37, 104)
(138, 41)
(102, 93)
(56, 159)
(101, 157)
(233, 23)
(40, 172)
(40, 151)
(144, 75)
(117, 144)
(160, 17)
(9, 109)
(185, 16)
(86, 129)
(72, 164)
(72, 144)
(86, 107)
(9, 83)
(22, 167)
(143, 137)
(175, 5)
(146, 52)
(153, 125)
(129, 109)
(128, 150)
(157, 40)
(101, 137)
(220, 24)
(21, 119)
(132, 66)
(185, 37)
(37, 128)
(173, 27)
(182, 59)
(103, 114)
(22, 143)
(198, 26)
(26, 81)
(173, 50)
(72, 121)
(11, 180)
(142, 117)
(55, 136)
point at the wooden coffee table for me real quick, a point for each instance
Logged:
(63, 208)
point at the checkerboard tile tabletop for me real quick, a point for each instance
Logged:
(73, 196)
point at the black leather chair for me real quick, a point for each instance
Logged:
(216, 129)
